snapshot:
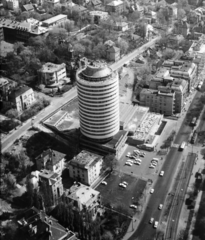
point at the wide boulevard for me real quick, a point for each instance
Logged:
(145, 231)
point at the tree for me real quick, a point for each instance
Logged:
(134, 17)
(168, 54)
(123, 45)
(10, 180)
(58, 33)
(110, 162)
(141, 30)
(107, 236)
(79, 49)
(18, 47)
(12, 113)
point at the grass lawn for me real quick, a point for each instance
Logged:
(116, 195)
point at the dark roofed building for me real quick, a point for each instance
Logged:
(95, 3)
(28, 8)
(36, 225)
(51, 160)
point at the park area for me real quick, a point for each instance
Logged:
(115, 195)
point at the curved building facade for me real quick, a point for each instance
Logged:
(98, 95)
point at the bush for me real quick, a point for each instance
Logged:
(36, 107)
(66, 88)
(8, 125)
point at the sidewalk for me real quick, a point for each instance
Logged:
(184, 211)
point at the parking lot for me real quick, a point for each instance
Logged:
(115, 195)
(142, 171)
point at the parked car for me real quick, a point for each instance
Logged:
(104, 183)
(128, 164)
(122, 185)
(128, 154)
(151, 166)
(125, 183)
(161, 173)
(160, 206)
(133, 206)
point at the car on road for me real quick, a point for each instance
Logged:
(152, 190)
(151, 220)
(160, 206)
(104, 183)
(161, 173)
(128, 164)
(133, 206)
(122, 185)
(156, 224)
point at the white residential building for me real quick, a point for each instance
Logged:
(85, 167)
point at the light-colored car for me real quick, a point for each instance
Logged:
(104, 183)
(129, 160)
(126, 183)
(154, 164)
(161, 173)
(151, 166)
(133, 206)
(128, 154)
(153, 161)
(139, 160)
(128, 164)
(156, 224)
(160, 206)
(151, 220)
(138, 163)
(122, 185)
(152, 190)
(136, 151)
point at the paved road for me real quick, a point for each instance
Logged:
(145, 231)
(7, 142)
(185, 129)
(178, 198)
(133, 54)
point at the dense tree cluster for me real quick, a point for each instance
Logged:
(13, 168)
(168, 142)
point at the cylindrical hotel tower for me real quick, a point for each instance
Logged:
(98, 95)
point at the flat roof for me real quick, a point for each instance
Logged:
(85, 159)
(54, 19)
(81, 193)
(51, 67)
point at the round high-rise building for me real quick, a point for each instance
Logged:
(98, 96)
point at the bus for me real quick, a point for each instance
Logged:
(182, 146)
(194, 122)
(194, 137)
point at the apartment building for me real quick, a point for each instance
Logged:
(6, 85)
(51, 186)
(83, 197)
(20, 98)
(51, 74)
(116, 6)
(37, 224)
(21, 31)
(51, 160)
(162, 102)
(51, 22)
(85, 167)
(113, 54)
(11, 4)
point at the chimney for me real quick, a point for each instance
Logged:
(46, 219)
(50, 222)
